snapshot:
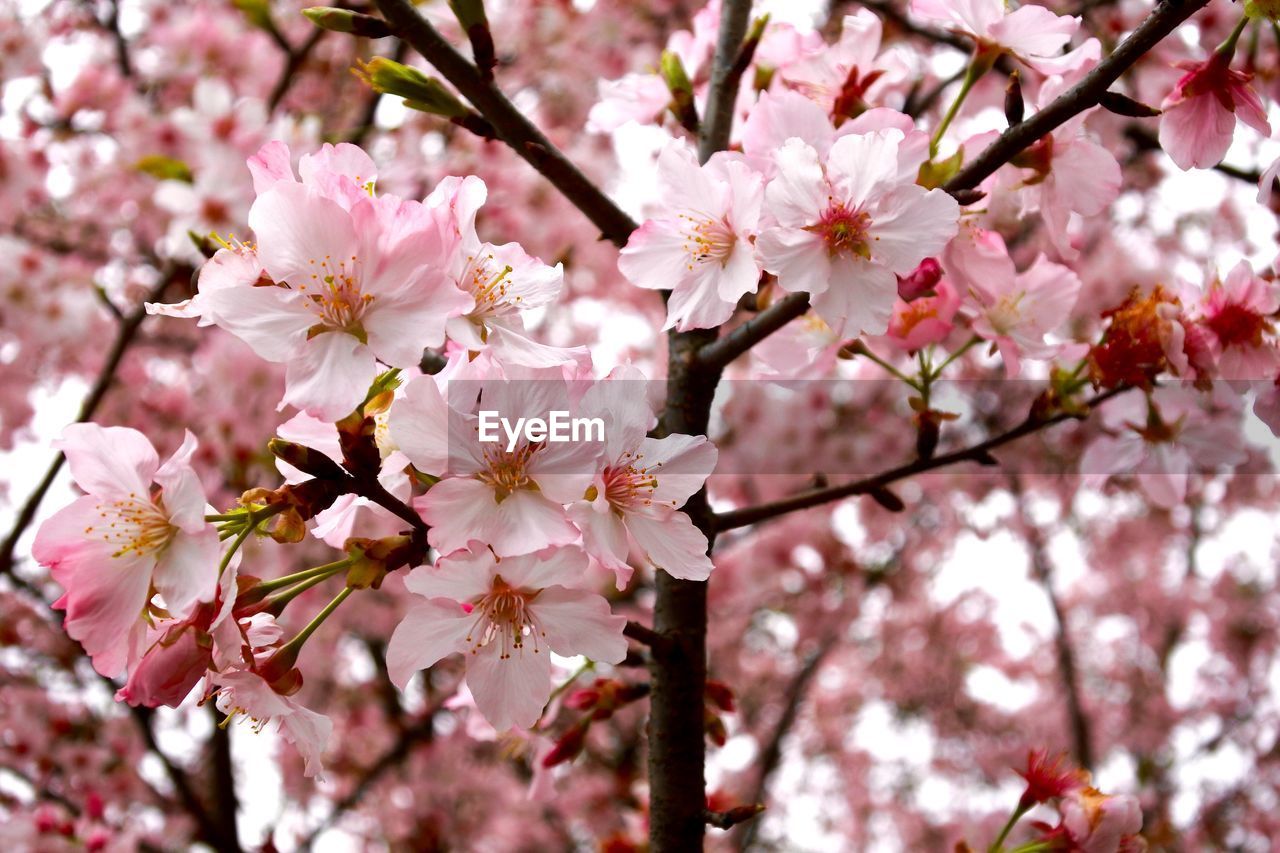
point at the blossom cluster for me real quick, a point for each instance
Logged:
(363, 322)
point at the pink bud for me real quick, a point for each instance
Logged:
(169, 669)
(921, 281)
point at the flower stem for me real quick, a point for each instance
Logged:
(305, 633)
(325, 571)
(863, 350)
(971, 76)
(1228, 47)
(304, 581)
(998, 844)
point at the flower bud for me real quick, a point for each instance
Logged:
(474, 22)
(569, 746)
(345, 21)
(720, 695)
(169, 669)
(921, 281)
(305, 459)
(423, 93)
(1014, 108)
(677, 79)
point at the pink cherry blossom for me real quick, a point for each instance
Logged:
(358, 279)
(138, 530)
(924, 320)
(1098, 823)
(506, 615)
(173, 665)
(245, 693)
(845, 77)
(700, 246)
(1162, 440)
(1014, 310)
(1236, 312)
(847, 227)
(1198, 119)
(513, 500)
(1033, 34)
(637, 495)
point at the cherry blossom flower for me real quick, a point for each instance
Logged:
(170, 668)
(512, 500)
(503, 282)
(1236, 313)
(1033, 34)
(506, 615)
(1049, 778)
(700, 247)
(637, 495)
(140, 529)
(1014, 310)
(359, 279)
(235, 266)
(242, 692)
(1267, 406)
(924, 320)
(1162, 439)
(1100, 823)
(847, 227)
(1198, 118)
(845, 77)
(1072, 175)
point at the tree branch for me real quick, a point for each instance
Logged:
(980, 452)
(512, 127)
(1164, 19)
(678, 670)
(720, 353)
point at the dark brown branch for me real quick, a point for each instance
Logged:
(125, 335)
(1164, 19)
(645, 635)
(718, 119)
(721, 352)
(225, 803)
(980, 452)
(678, 668)
(511, 125)
(1081, 739)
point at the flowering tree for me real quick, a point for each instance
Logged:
(929, 493)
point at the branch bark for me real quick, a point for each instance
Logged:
(980, 452)
(512, 127)
(678, 668)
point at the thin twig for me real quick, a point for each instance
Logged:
(511, 125)
(980, 452)
(721, 352)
